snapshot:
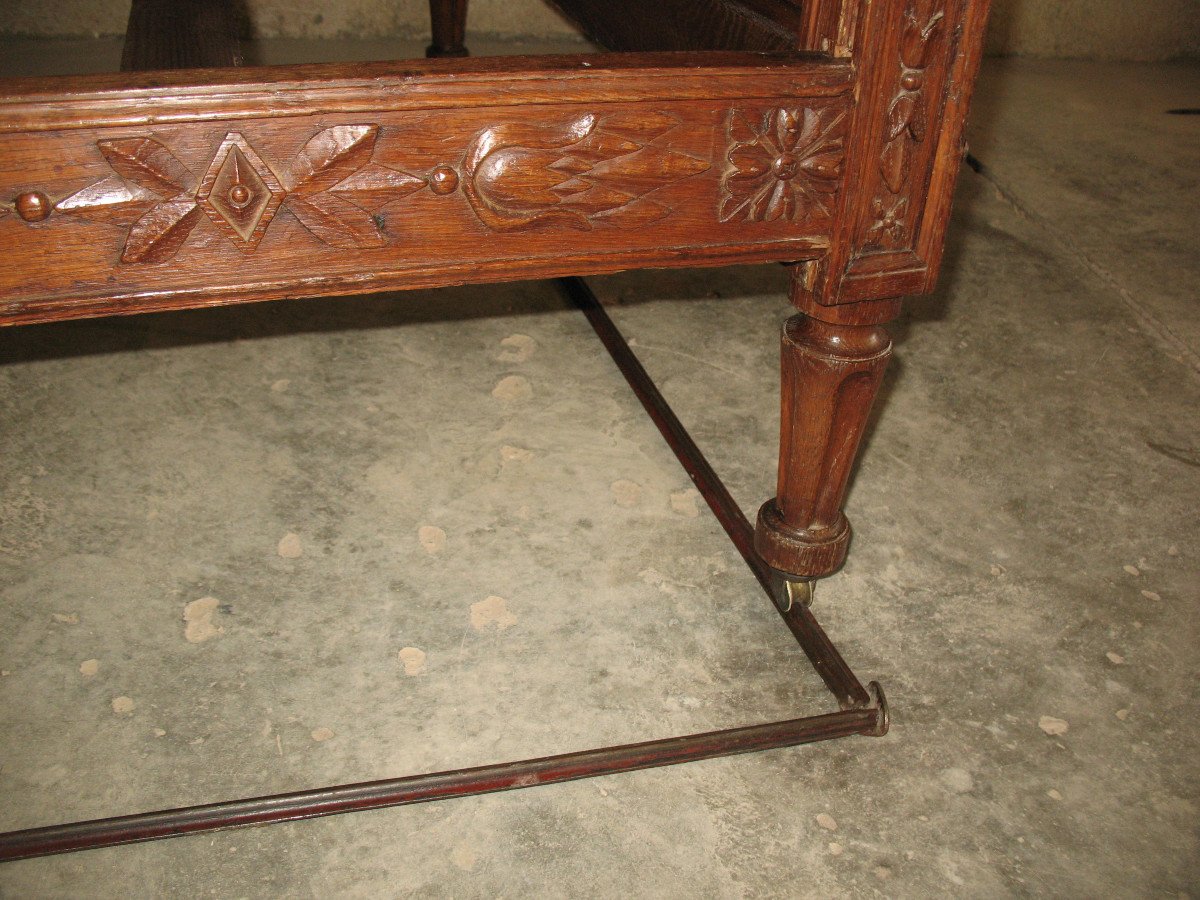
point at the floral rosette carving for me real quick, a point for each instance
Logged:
(331, 186)
(782, 164)
(589, 171)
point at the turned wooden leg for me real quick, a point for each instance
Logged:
(833, 363)
(449, 28)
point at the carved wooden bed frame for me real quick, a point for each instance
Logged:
(824, 134)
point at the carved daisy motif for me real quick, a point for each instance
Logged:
(888, 219)
(782, 164)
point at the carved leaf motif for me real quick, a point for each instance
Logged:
(111, 201)
(374, 186)
(743, 129)
(149, 165)
(916, 38)
(646, 170)
(907, 119)
(336, 221)
(899, 114)
(893, 165)
(917, 121)
(158, 234)
(158, 197)
(332, 155)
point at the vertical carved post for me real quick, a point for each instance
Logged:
(833, 362)
(449, 19)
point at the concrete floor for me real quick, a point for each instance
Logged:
(1024, 577)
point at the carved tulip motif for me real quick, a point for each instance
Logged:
(589, 171)
(782, 164)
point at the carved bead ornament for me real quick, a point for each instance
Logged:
(32, 206)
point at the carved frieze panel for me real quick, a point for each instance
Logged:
(587, 171)
(121, 216)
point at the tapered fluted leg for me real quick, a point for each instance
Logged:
(449, 28)
(831, 372)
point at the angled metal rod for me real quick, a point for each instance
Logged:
(436, 786)
(837, 675)
(862, 712)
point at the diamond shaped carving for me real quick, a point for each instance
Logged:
(239, 192)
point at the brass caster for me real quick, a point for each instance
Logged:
(879, 703)
(795, 593)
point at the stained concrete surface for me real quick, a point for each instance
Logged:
(1023, 578)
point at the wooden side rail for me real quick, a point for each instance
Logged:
(139, 192)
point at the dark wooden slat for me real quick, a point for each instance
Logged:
(185, 34)
(449, 20)
(762, 25)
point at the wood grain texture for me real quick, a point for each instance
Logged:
(140, 192)
(31, 105)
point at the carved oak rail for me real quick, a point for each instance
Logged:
(321, 180)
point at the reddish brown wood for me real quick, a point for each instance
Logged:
(825, 658)
(348, 798)
(135, 193)
(449, 18)
(139, 192)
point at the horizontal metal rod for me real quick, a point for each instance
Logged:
(436, 786)
(837, 675)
